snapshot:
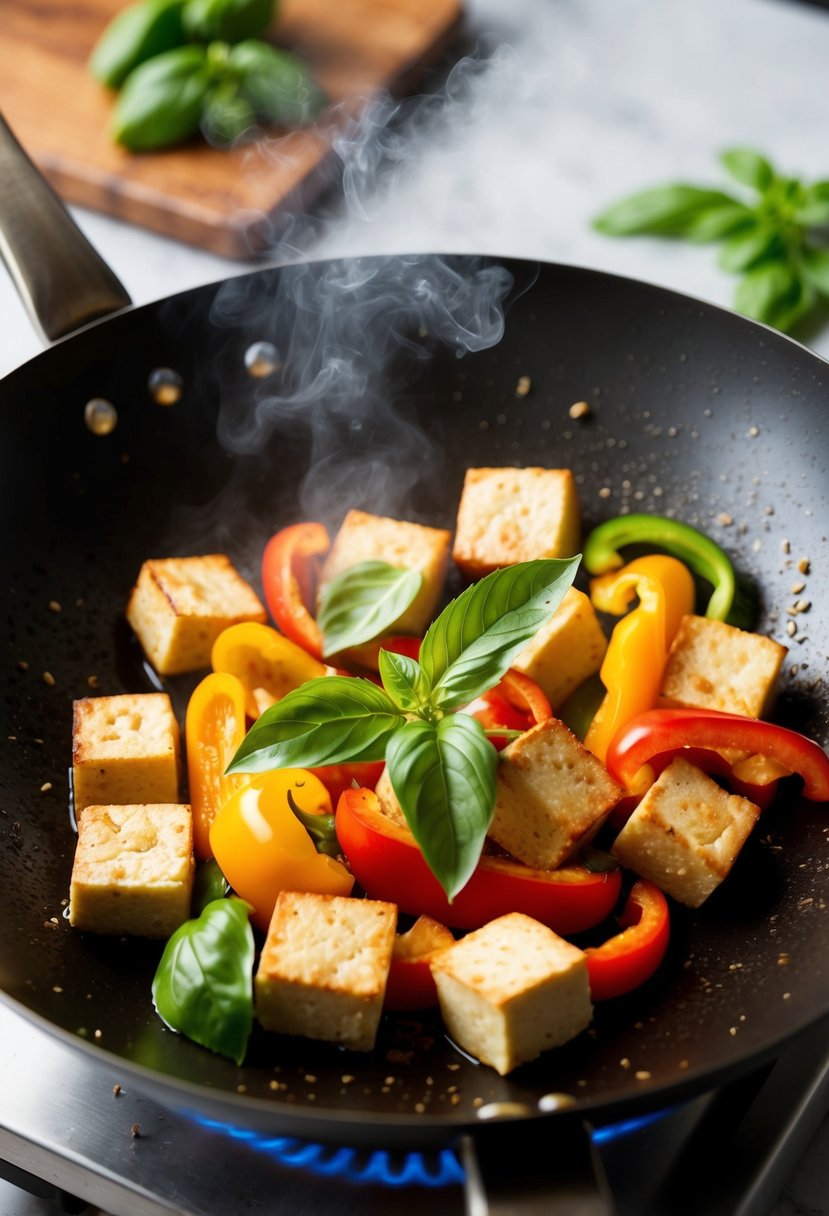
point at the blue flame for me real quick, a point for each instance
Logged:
(414, 1169)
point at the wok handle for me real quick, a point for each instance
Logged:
(62, 281)
(551, 1168)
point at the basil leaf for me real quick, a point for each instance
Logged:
(443, 774)
(404, 680)
(746, 249)
(474, 640)
(772, 293)
(203, 985)
(815, 263)
(661, 210)
(325, 721)
(748, 167)
(363, 602)
(718, 222)
(210, 884)
(813, 211)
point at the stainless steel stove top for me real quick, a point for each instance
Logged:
(70, 1127)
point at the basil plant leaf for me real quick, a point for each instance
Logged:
(813, 210)
(210, 883)
(716, 223)
(443, 774)
(363, 602)
(772, 292)
(661, 210)
(476, 637)
(748, 167)
(815, 263)
(745, 249)
(404, 681)
(325, 721)
(203, 987)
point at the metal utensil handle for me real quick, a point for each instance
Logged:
(62, 281)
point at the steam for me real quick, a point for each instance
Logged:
(353, 334)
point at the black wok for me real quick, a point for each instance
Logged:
(694, 412)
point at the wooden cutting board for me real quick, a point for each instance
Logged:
(216, 199)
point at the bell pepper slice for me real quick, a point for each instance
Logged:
(214, 727)
(625, 961)
(516, 703)
(289, 574)
(388, 864)
(411, 984)
(652, 739)
(728, 602)
(634, 663)
(262, 848)
(263, 660)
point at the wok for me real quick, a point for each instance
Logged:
(694, 412)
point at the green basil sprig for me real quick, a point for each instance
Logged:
(161, 102)
(136, 34)
(364, 601)
(442, 768)
(775, 236)
(203, 987)
(226, 20)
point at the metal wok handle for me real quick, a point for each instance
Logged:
(516, 1173)
(62, 281)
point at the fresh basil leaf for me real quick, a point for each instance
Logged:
(748, 167)
(363, 602)
(404, 680)
(476, 637)
(813, 210)
(772, 292)
(746, 249)
(210, 883)
(203, 987)
(325, 721)
(718, 222)
(443, 774)
(661, 210)
(815, 263)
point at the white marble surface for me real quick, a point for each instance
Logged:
(582, 101)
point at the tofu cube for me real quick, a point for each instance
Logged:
(551, 796)
(125, 749)
(324, 967)
(363, 537)
(566, 651)
(133, 870)
(512, 989)
(180, 605)
(515, 515)
(716, 666)
(686, 833)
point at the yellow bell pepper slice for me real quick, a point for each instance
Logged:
(268, 664)
(634, 663)
(214, 727)
(262, 848)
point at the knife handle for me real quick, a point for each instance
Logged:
(62, 281)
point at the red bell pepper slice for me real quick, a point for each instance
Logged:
(516, 703)
(340, 777)
(388, 865)
(289, 574)
(625, 961)
(659, 734)
(411, 984)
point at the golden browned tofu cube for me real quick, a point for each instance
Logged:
(125, 749)
(133, 870)
(363, 537)
(515, 515)
(511, 990)
(324, 967)
(685, 834)
(180, 605)
(551, 796)
(716, 666)
(566, 651)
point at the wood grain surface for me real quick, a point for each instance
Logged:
(222, 200)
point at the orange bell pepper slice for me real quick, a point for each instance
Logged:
(214, 728)
(268, 664)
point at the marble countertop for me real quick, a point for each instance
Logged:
(576, 103)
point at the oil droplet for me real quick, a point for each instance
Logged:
(100, 416)
(554, 1101)
(165, 386)
(261, 359)
(504, 1110)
